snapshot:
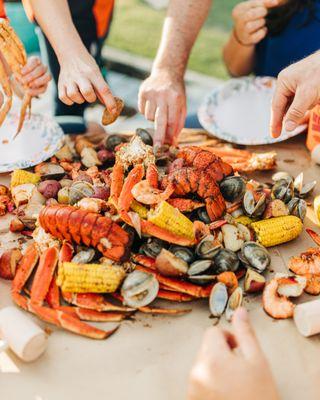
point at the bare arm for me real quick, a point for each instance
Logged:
(80, 78)
(239, 59)
(162, 96)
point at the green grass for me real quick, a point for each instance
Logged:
(137, 28)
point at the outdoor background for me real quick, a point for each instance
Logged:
(137, 28)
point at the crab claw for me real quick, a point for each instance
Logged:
(314, 236)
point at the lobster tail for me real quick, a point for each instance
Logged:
(70, 223)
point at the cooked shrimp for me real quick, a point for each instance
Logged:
(146, 194)
(307, 263)
(230, 280)
(278, 307)
(313, 284)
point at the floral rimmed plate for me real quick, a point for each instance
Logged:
(239, 112)
(40, 138)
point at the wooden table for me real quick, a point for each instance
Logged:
(150, 358)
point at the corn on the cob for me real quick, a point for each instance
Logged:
(20, 177)
(167, 217)
(89, 278)
(274, 231)
(244, 220)
(139, 209)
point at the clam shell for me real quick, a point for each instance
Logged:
(218, 299)
(199, 267)
(256, 255)
(139, 289)
(233, 188)
(234, 302)
(226, 260)
(208, 247)
(184, 253)
(84, 256)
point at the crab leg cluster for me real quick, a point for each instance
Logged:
(13, 58)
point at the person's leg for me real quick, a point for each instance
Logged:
(193, 122)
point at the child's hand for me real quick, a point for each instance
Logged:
(249, 20)
(35, 75)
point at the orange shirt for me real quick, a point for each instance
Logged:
(102, 11)
(2, 10)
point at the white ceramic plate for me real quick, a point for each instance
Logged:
(39, 139)
(239, 112)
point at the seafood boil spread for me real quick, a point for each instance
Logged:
(109, 228)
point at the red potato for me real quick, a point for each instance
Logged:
(16, 225)
(8, 263)
(253, 282)
(170, 265)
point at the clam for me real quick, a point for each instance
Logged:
(139, 289)
(255, 255)
(202, 279)
(226, 260)
(297, 207)
(114, 140)
(170, 265)
(232, 237)
(64, 195)
(208, 247)
(303, 189)
(234, 302)
(51, 171)
(145, 136)
(218, 299)
(203, 215)
(152, 247)
(281, 175)
(79, 190)
(283, 190)
(233, 188)
(200, 267)
(184, 253)
(84, 256)
(254, 204)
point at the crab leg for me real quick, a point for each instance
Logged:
(185, 205)
(152, 175)
(163, 311)
(314, 236)
(143, 260)
(92, 315)
(92, 301)
(116, 182)
(126, 197)
(174, 296)
(5, 84)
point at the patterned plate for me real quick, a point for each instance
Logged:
(39, 139)
(239, 112)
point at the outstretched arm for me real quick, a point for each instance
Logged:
(162, 96)
(80, 78)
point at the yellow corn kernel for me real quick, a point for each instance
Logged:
(139, 209)
(274, 231)
(20, 177)
(89, 278)
(244, 220)
(170, 218)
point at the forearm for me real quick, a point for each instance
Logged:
(181, 27)
(238, 59)
(55, 20)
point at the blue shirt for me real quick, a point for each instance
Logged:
(295, 42)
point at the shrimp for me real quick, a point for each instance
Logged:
(313, 284)
(145, 193)
(307, 263)
(278, 307)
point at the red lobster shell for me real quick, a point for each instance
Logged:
(80, 226)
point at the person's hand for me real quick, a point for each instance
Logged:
(162, 99)
(80, 80)
(249, 20)
(297, 92)
(35, 76)
(232, 366)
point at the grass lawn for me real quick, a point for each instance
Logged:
(137, 28)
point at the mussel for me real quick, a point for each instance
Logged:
(283, 190)
(233, 188)
(79, 190)
(254, 204)
(234, 302)
(114, 140)
(84, 256)
(203, 215)
(51, 171)
(152, 247)
(145, 136)
(226, 260)
(139, 289)
(218, 299)
(302, 189)
(256, 256)
(208, 247)
(185, 253)
(297, 207)
(281, 175)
